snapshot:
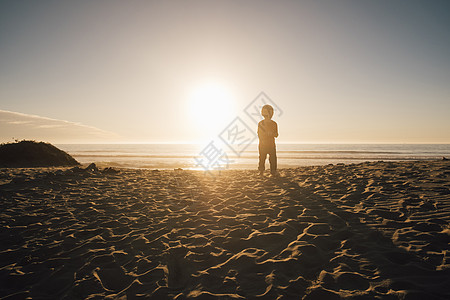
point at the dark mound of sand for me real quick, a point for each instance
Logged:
(26, 154)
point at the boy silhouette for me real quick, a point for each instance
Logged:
(267, 132)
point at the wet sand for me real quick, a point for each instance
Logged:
(361, 231)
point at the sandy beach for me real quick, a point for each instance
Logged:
(375, 230)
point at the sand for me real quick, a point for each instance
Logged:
(361, 231)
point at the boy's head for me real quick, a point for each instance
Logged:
(267, 111)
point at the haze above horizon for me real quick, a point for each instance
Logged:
(178, 71)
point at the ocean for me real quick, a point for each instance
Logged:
(195, 156)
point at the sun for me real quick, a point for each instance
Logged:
(211, 106)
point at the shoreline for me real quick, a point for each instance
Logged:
(289, 155)
(351, 162)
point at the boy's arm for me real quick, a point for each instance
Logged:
(276, 129)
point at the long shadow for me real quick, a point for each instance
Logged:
(363, 255)
(339, 251)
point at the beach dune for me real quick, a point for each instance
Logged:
(359, 231)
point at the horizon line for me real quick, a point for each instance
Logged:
(278, 143)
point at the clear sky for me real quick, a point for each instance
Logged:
(169, 71)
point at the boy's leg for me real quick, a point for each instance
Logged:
(262, 158)
(273, 160)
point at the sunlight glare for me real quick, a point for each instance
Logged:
(211, 106)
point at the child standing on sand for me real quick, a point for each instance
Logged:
(267, 132)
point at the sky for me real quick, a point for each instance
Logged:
(180, 71)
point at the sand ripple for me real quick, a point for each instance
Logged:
(371, 230)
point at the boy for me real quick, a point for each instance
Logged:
(267, 132)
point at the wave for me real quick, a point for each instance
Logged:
(168, 156)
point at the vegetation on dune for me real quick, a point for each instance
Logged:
(27, 154)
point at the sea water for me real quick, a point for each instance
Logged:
(192, 156)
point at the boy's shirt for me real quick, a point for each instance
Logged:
(267, 132)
